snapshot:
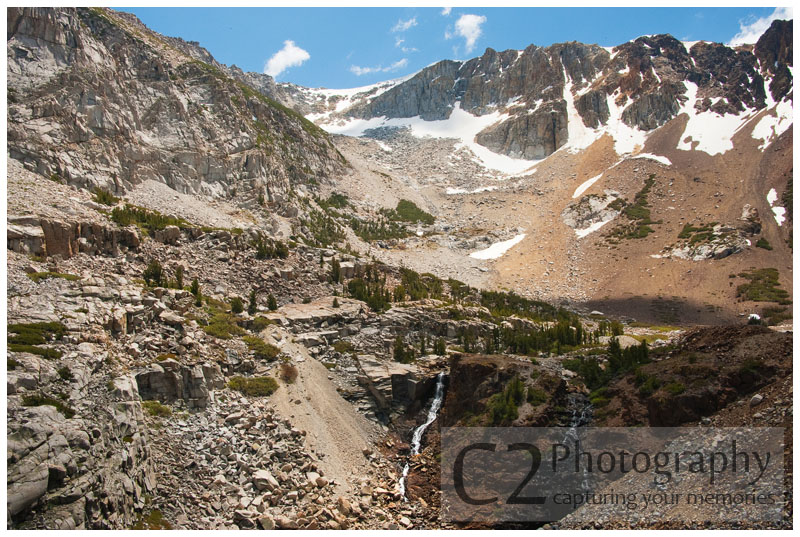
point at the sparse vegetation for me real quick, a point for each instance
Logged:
(261, 349)
(763, 243)
(38, 399)
(288, 373)
(223, 326)
(65, 373)
(39, 276)
(407, 211)
(104, 197)
(156, 409)
(154, 274)
(762, 286)
(502, 408)
(637, 214)
(253, 386)
(28, 337)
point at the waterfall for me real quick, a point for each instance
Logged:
(416, 439)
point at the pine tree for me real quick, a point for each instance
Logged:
(335, 302)
(236, 305)
(440, 347)
(272, 304)
(154, 273)
(195, 288)
(252, 306)
(179, 276)
(336, 271)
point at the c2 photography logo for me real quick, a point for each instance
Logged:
(704, 474)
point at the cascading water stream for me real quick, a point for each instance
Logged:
(416, 438)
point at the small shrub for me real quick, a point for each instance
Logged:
(536, 396)
(39, 400)
(156, 409)
(153, 274)
(39, 276)
(342, 346)
(288, 373)
(11, 364)
(237, 306)
(104, 197)
(649, 385)
(253, 386)
(261, 349)
(763, 243)
(260, 323)
(65, 373)
(335, 302)
(223, 326)
(272, 304)
(674, 388)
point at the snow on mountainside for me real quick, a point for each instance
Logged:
(512, 109)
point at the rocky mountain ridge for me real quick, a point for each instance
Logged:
(98, 100)
(541, 91)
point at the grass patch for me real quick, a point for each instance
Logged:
(674, 388)
(253, 386)
(154, 520)
(223, 326)
(763, 243)
(638, 215)
(104, 197)
(762, 286)
(536, 396)
(27, 337)
(156, 409)
(39, 400)
(39, 276)
(260, 323)
(407, 211)
(342, 346)
(261, 349)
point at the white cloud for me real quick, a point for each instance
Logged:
(289, 56)
(398, 42)
(402, 25)
(446, 11)
(749, 32)
(359, 71)
(468, 26)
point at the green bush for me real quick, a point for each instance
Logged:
(536, 396)
(253, 386)
(649, 385)
(104, 197)
(237, 306)
(153, 274)
(261, 349)
(223, 326)
(407, 211)
(763, 286)
(502, 407)
(342, 346)
(763, 243)
(674, 388)
(39, 276)
(65, 373)
(260, 323)
(272, 304)
(156, 409)
(39, 400)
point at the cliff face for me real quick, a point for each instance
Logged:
(97, 99)
(642, 83)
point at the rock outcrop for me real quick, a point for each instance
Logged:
(135, 106)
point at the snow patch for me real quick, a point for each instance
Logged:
(711, 132)
(585, 186)
(452, 191)
(594, 227)
(663, 160)
(771, 126)
(772, 197)
(461, 125)
(383, 146)
(497, 249)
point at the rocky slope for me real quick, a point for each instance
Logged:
(546, 96)
(97, 99)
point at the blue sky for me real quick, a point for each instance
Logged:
(349, 47)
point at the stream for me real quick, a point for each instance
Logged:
(416, 439)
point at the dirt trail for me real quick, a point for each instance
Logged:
(335, 431)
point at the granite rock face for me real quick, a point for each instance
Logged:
(132, 106)
(534, 89)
